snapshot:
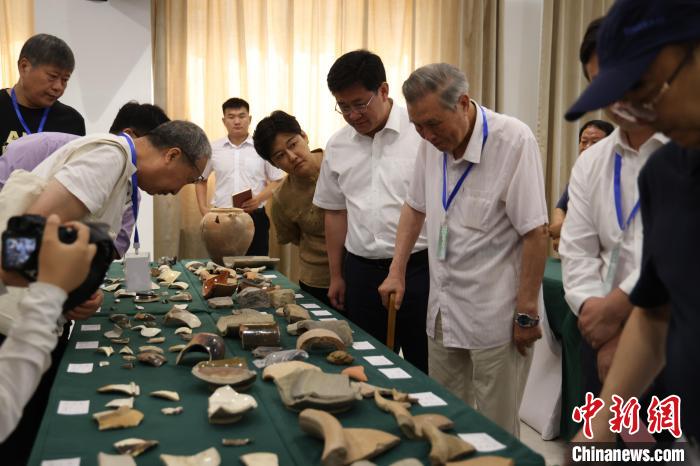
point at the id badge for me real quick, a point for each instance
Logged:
(612, 268)
(442, 242)
(137, 272)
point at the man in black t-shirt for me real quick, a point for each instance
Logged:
(649, 56)
(31, 106)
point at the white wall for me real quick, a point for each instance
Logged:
(111, 42)
(522, 32)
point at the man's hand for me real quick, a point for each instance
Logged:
(88, 308)
(524, 338)
(597, 323)
(605, 356)
(394, 283)
(336, 293)
(251, 204)
(65, 265)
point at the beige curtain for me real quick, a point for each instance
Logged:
(276, 54)
(561, 81)
(16, 26)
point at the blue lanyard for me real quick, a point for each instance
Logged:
(21, 118)
(447, 201)
(134, 191)
(618, 197)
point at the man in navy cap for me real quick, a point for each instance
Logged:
(649, 58)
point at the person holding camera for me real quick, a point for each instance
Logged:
(26, 353)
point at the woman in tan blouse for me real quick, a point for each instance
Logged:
(279, 139)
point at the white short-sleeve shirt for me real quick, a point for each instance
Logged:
(475, 287)
(238, 168)
(369, 177)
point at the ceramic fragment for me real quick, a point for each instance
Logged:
(227, 406)
(128, 389)
(259, 459)
(340, 358)
(172, 411)
(181, 297)
(208, 457)
(119, 402)
(321, 339)
(134, 446)
(106, 350)
(166, 395)
(152, 358)
(119, 418)
(235, 442)
(179, 317)
(149, 332)
(105, 459)
(204, 342)
(156, 340)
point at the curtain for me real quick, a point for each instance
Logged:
(276, 54)
(564, 23)
(16, 26)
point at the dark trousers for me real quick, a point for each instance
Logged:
(261, 240)
(364, 305)
(16, 448)
(319, 293)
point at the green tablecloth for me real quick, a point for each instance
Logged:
(272, 427)
(564, 324)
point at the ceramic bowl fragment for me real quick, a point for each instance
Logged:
(120, 341)
(179, 286)
(121, 320)
(128, 389)
(116, 332)
(295, 313)
(149, 332)
(231, 324)
(281, 369)
(104, 363)
(208, 457)
(155, 340)
(128, 357)
(180, 317)
(254, 335)
(155, 349)
(233, 372)
(119, 402)
(227, 406)
(180, 330)
(119, 418)
(166, 395)
(279, 298)
(134, 446)
(209, 343)
(152, 358)
(220, 302)
(126, 350)
(321, 339)
(105, 459)
(106, 350)
(181, 297)
(176, 348)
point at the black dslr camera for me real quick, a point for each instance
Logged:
(21, 243)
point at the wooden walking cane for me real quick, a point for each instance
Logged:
(391, 322)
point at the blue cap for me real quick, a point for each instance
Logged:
(631, 35)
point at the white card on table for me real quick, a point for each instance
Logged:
(62, 462)
(299, 296)
(90, 328)
(73, 407)
(321, 313)
(362, 345)
(395, 373)
(86, 345)
(378, 360)
(75, 368)
(482, 442)
(311, 306)
(328, 318)
(427, 399)
(137, 272)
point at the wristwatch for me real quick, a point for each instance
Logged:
(526, 320)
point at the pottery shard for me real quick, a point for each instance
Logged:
(227, 406)
(321, 339)
(128, 389)
(134, 446)
(356, 373)
(444, 447)
(172, 411)
(279, 298)
(231, 324)
(339, 327)
(208, 457)
(166, 395)
(314, 389)
(119, 418)
(152, 358)
(218, 303)
(105, 459)
(344, 446)
(488, 460)
(180, 297)
(259, 459)
(276, 371)
(253, 298)
(179, 317)
(340, 358)
(295, 313)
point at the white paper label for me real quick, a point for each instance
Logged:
(362, 345)
(90, 328)
(427, 399)
(482, 442)
(322, 312)
(80, 368)
(86, 345)
(378, 361)
(395, 373)
(311, 306)
(62, 462)
(70, 408)
(299, 296)
(270, 275)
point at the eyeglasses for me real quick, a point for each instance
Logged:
(645, 111)
(189, 158)
(348, 109)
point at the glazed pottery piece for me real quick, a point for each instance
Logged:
(295, 313)
(145, 316)
(128, 389)
(233, 372)
(155, 340)
(339, 327)
(149, 332)
(209, 343)
(121, 320)
(320, 339)
(276, 371)
(253, 297)
(134, 446)
(167, 275)
(116, 332)
(227, 406)
(179, 286)
(219, 285)
(226, 232)
(279, 298)
(179, 317)
(181, 297)
(194, 265)
(181, 330)
(230, 325)
(254, 335)
(208, 457)
(281, 356)
(124, 294)
(344, 446)
(120, 418)
(262, 351)
(152, 358)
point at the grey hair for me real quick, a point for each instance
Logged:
(442, 78)
(184, 135)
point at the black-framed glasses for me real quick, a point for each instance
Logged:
(191, 160)
(348, 109)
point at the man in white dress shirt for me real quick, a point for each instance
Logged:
(362, 185)
(478, 182)
(601, 240)
(238, 167)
